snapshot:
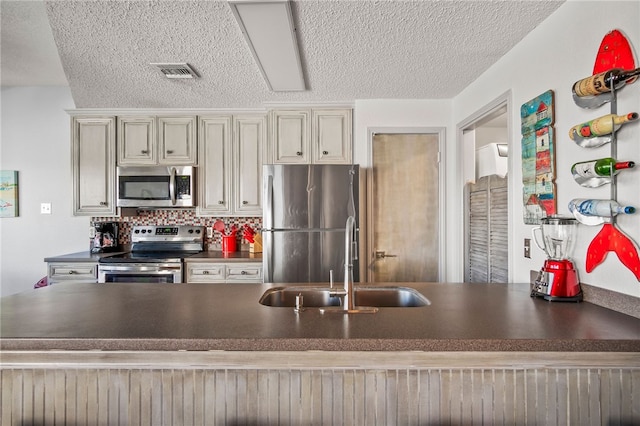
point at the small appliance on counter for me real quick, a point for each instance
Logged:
(103, 237)
(558, 280)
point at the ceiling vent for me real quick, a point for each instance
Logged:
(179, 70)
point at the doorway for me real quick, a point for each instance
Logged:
(404, 207)
(487, 255)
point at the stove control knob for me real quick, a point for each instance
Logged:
(190, 231)
(197, 231)
(137, 231)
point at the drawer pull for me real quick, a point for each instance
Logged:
(243, 272)
(205, 272)
(72, 272)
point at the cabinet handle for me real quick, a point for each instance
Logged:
(299, 153)
(325, 152)
(220, 202)
(169, 151)
(72, 272)
(205, 272)
(144, 151)
(245, 202)
(243, 273)
(103, 203)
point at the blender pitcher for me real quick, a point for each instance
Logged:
(558, 278)
(558, 236)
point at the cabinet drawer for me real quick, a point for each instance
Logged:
(73, 272)
(205, 273)
(244, 272)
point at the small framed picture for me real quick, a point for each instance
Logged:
(8, 193)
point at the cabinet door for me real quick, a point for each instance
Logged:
(214, 173)
(290, 137)
(77, 272)
(331, 136)
(205, 272)
(244, 273)
(93, 150)
(177, 141)
(249, 137)
(136, 140)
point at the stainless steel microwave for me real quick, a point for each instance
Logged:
(156, 186)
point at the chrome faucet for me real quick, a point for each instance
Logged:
(347, 293)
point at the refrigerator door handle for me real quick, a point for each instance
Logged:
(267, 241)
(268, 224)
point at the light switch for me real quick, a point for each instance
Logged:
(527, 248)
(45, 208)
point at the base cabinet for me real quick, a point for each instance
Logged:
(79, 272)
(224, 273)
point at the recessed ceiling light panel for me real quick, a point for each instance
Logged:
(268, 28)
(176, 70)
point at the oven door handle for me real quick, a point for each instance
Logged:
(172, 186)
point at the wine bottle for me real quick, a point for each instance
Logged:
(603, 208)
(601, 126)
(603, 82)
(598, 172)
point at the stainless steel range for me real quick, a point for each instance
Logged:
(156, 255)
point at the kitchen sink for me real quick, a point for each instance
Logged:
(319, 297)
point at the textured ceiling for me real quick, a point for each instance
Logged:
(350, 50)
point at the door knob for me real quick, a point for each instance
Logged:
(380, 254)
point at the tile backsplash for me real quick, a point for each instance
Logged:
(178, 217)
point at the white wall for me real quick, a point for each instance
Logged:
(558, 52)
(36, 143)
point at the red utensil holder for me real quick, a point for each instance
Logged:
(228, 243)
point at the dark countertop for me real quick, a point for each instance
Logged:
(81, 256)
(205, 256)
(461, 317)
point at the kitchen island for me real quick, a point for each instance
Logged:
(162, 352)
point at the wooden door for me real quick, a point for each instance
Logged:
(404, 208)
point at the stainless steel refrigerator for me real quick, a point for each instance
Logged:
(305, 212)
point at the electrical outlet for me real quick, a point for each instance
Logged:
(209, 232)
(45, 208)
(527, 248)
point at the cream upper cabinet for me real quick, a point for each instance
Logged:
(230, 171)
(214, 174)
(290, 136)
(332, 137)
(93, 151)
(136, 140)
(249, 137)
(151, 140)
(311, 136)
(177, 141)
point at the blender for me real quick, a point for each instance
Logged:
(558, 280)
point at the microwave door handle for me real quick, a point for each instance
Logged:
(172, 186)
